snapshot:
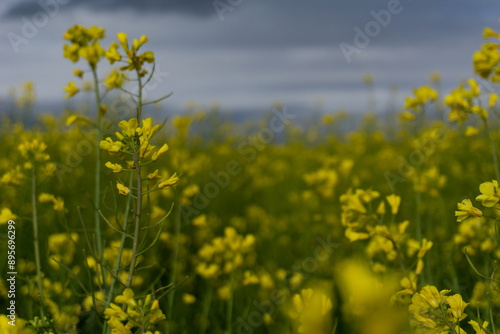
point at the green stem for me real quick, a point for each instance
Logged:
(417, 208)
(495, 159)
(36, 236)
(206, 308)
(137, 220)
(174, 268)
(120, 251)
(139, 98)
(491, 313)
(97, 194)
(229, 314)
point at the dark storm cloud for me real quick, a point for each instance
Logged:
(281, 23)
(260, 51)
(194, 7)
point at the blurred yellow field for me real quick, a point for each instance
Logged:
(116, 220)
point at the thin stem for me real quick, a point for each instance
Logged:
(229, 314)
(120, 251)
(139, 98)
(174, 268)
(495, 159)
(206, 308)
(36, 236)
(137, 219)
(97, 195)
(417, 208)
(491, 313)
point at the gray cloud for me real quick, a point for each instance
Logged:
(193, 7)
(263, 50)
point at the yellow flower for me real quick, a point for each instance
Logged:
(46, 198)
(479, 329)
(490, 194)
(59, 204)
(122, 189)
(250, 278)
(71, 119)
(154, 176)
(423, 95)
(394, 202)
(115, 311)
(492, 100)
(6, 215)
(148, 56)
(457, 306)
(485, 60)
(207, 271)
(71, 89)
(116, 168)
(112, 54)
(188, 298)
(172, 181)
(380, 209)
(115, 79)
(368, 78)
(138, 43)
(96, 32)
(407, 116)
(431, 295)
(354, 236)
(129, 127)
(488, 33)
(160, 152)
(127, 297)
(471, 131)
(110, 146)
(466, 210)
(474, 88)
(426, 245)
(78, 73)
(122, 38)
(435, 77)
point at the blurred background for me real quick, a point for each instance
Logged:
(246, 55)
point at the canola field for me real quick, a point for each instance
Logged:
(114, 220)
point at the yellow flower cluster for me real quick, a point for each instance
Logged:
(49, 198)
(422, 96)
(84, 44)
(224, 254)
(487, 59)
(434, 311)
(463, 102)
(62, 247)
(311, 310)
(135, 61)
(141, 314)
(135, 141)
(323, 180)
(34, 150)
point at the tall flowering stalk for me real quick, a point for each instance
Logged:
(422, 96)
(465, 102)
(85, 44)
(133, 142)
(34, 152)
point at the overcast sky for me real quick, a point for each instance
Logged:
(251, 53)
